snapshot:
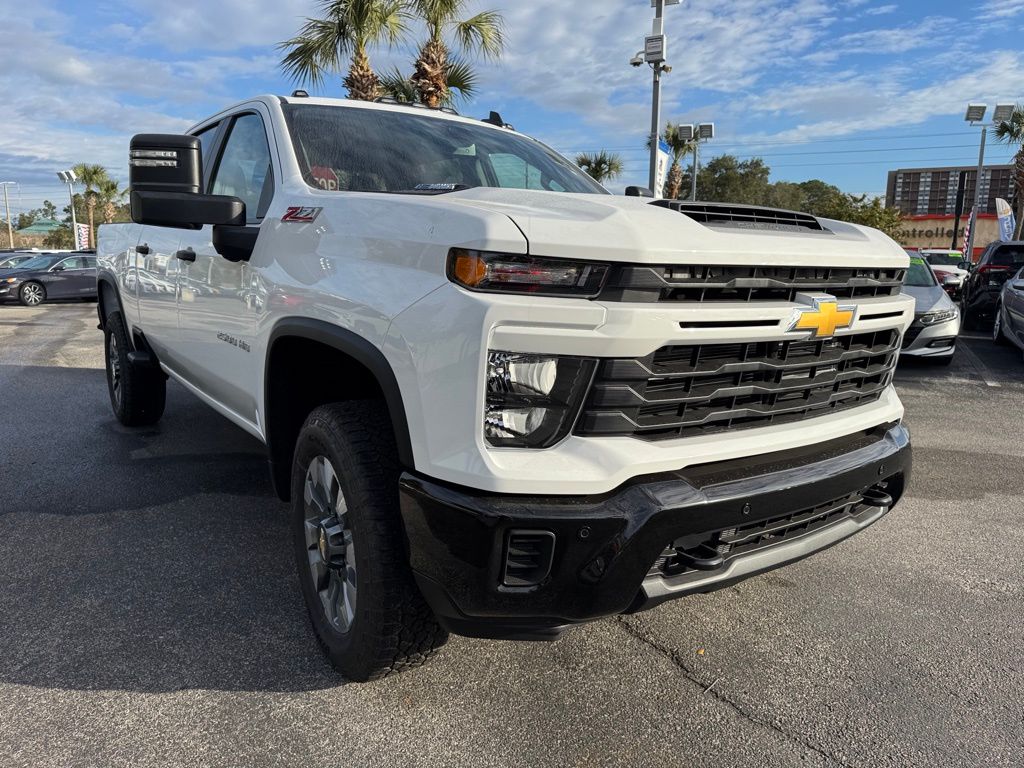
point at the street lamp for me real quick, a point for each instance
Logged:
(69, 178)
(975, 115)
(704, 132)
(654, 53)
(7, 205)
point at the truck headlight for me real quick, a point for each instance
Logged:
(533, 400)
(933, 318)
(512, 273)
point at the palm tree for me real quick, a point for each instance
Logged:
(480, 34)
(92, 177)
(348, 27)
(111, 196)
(600, 166)
(461, 81)
(679, 148)
(1012, 132)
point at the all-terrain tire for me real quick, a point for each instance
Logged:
(391, 628)
(137, 395)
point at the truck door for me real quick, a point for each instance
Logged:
(157, 279)
(216, 317)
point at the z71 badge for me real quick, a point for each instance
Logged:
(301, 214)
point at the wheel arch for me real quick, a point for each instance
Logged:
(108, 297)
(289, 396)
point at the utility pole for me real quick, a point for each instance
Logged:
(958, 211)
(7, 206)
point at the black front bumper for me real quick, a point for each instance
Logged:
(652, 539)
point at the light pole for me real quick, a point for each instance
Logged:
(654, 53)
(975, 115)
(7, 206)
(703, 132)
(69, 178)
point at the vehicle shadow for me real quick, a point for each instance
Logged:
(145, 560)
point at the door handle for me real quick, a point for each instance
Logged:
(186, 254)
(142, 250)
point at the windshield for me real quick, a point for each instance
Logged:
(377, 150)
(919, 274)
(944, 259)
(1008, 256)
(39, 262)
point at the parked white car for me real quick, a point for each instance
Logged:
(500, 400)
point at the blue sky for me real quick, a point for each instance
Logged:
(841, 90)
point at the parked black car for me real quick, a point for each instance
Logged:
(53, 276)
(998, 263)
(13, 259)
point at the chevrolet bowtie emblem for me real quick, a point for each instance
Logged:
(823, 317)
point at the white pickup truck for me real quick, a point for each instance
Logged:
(500, 400)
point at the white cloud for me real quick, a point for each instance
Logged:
(881, 10)
(1001, 9)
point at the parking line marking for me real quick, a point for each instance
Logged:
(982, 368)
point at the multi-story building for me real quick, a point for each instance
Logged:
(933, 191)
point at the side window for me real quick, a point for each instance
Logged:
(75, 262)
(206, 137)
(244, 170)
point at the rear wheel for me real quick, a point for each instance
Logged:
(355, 577)
(32, 294)
(137, 395)
(998, 334)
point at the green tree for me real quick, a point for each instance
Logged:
(461, 80)
(26, 218)
(481, 35)
(600, 166)
(678, 148)
(49, 210)
(92, 177)
(1011, 132)
(110, 197)
(726, 179)
(348, 28)
(59, 238)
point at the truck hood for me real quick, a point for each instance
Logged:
(626, 229)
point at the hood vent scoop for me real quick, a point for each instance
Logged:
(744, 216)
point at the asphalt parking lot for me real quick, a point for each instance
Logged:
(150, 615)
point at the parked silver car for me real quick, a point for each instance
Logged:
(1008, 327)
(932, 335)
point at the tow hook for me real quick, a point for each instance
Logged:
(877, 497)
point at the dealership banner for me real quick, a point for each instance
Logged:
(1007, 221)
(664, 161)
(81, 237)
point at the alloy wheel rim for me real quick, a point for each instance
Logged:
(330, 550)
(115, 368)
(32, 294)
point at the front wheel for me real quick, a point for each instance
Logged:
(137, 395)
(32, 294)
(355, 577)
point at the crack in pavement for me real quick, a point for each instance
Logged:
(647, 638)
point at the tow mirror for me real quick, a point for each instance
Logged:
(638, 192)
(166, 180)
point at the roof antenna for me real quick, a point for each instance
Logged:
(495, 119)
